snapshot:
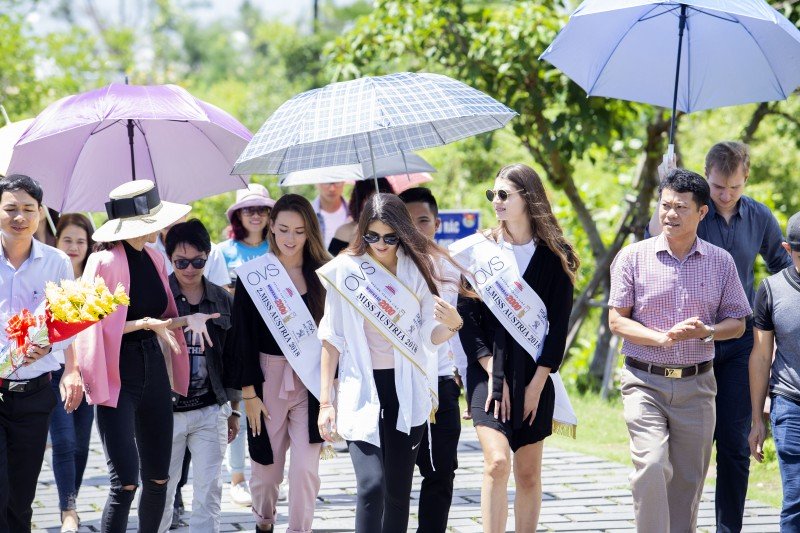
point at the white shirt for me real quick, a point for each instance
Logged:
(358, 408)
(216, 270)
(449, 292)
(523, 253)
(23, 288)
(330, 222)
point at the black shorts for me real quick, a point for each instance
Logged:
(528, 433)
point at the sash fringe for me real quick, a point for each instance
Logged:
(562, 428)
(327, 452)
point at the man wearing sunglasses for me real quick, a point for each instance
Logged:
(204, 421)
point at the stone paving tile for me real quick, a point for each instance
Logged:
(580, 493)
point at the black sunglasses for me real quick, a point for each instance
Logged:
(390, 239)
(257, 210)
(183, 264)
(501, 193)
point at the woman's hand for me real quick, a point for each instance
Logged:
(71, 387)
(162, 329)
(502, 409)
(233, 427)
(196, 323)
(35, 353)
(447, 314)
(255, 409)
(533, 391)
(326, 421)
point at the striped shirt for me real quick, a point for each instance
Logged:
(662, 290)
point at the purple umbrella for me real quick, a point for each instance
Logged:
(82, 146)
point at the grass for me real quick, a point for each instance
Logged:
(602, 433)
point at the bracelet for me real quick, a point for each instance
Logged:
(145, 323)
(250, 398)
(237, 414)
(458, 327)
(324, 405)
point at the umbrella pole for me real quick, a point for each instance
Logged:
(130, 142)
(681, 27)
(372, 158)
(5, 115)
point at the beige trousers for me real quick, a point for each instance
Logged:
(671, 427)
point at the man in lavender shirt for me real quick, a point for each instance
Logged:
(671, 297)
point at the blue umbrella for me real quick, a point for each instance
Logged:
(367, 119)
(689, 55)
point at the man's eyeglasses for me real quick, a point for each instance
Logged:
(500, 193)
(391, 239)
(256, 210)
(183, 264)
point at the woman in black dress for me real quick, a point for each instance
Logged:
(517, 413)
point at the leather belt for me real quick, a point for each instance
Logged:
(28, 385)
(674, 372)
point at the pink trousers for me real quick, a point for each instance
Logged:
(286, 400)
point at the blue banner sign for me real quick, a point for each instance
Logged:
(457, 224)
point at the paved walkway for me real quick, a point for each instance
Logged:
(581, 493)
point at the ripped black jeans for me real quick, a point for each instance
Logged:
(137, 437)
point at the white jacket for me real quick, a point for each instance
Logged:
(358, 408)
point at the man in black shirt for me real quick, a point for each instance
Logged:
(204, 421)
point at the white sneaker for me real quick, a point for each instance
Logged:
(240, 494)
(283, 490)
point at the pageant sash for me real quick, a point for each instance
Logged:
(286, 315)
(383, 300)
(496, 278)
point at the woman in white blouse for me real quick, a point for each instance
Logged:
(384, 394)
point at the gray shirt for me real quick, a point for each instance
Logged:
(776, 306)
(752, 230)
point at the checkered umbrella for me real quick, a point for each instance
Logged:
(367, 119)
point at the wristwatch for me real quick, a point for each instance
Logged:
(710, 336)
(237, 414)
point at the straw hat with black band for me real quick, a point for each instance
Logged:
(134, 210)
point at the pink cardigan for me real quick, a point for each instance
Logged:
(98, 347)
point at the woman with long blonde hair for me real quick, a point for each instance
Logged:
(281, 410)
(510, 391)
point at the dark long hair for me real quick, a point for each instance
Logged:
(314, 253)
(425, 253)
(362, 190)
(81, 221)
(239, 233)
(544, 225)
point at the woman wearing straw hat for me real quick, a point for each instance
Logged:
(249, 218)
(126, 373)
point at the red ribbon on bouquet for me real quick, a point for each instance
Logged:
(17, 328)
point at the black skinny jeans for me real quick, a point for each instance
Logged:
(384, 475)
(137, 437)
(436, 492)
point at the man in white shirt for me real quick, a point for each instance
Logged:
(436, 492)
(26, 397)
(331, 209)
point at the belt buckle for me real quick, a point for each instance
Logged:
(674, 373)
(17, 386)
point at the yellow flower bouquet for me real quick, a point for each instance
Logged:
(71, 306)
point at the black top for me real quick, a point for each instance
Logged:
(482, 335)
(336, 246)
(147, 294)
(251, 337)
